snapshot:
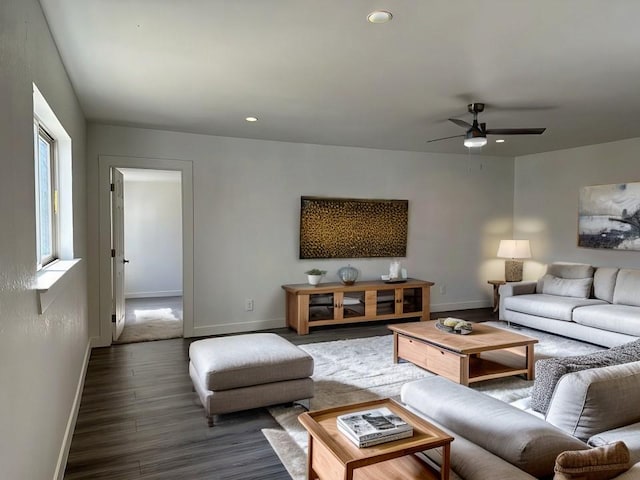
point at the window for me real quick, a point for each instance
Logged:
(46, 195)
(54, 184)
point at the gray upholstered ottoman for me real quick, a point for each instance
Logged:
(248, 371)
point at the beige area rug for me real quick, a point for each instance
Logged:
(151, 324)
(349, 371)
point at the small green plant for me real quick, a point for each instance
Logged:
(316, 271)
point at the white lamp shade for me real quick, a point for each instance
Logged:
(514, 249)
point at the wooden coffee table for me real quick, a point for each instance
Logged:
(333, 456)
(459, 357)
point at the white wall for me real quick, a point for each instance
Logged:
(547, 187)
(41, 356)
(246, 214)
(153, 238)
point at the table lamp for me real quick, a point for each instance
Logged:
(513, 249)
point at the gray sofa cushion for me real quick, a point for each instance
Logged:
(570, 270)
(470, 461)
(604, 281)
(567, 287)
(549, 306)
(565, 270)
(591, 401)
(521, 439)
(550, 370)
(614, 318)
(627, 291)
(629, 434)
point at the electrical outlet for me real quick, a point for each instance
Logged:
(248, 304)
(443, 290)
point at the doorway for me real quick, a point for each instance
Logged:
(152, 255)
(157, 254)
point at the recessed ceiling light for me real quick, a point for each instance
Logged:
(379, 16)
(500, 140)
(251, 119)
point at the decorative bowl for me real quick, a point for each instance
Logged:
(454, 325)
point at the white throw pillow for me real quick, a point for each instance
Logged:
(566, 287)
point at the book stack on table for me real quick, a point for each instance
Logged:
(372, 427)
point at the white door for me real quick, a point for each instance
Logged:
(117, 252)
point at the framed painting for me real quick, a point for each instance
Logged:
(609, 216)
(352, 227)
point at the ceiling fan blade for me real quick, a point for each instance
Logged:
(444, 138)
(515, 131)
(460, 123)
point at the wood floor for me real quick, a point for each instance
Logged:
(139, 418)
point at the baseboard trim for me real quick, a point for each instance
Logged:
(239, 327)
(446, 307)
(73, 416)
(168, 293)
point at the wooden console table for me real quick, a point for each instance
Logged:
(366, 301)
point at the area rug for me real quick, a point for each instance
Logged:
(146, 325)
(349, 371)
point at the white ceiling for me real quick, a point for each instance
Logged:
(317, 72)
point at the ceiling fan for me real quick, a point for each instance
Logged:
(476, 135)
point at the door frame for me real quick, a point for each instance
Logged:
(105, 164)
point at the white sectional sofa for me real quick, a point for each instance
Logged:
(495, 440)
(597, 305)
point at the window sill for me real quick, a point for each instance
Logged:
(50, 281)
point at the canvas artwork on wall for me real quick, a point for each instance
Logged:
(609, 216)
(352, 228)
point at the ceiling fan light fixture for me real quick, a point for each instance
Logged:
(379, 16)
(474, 139)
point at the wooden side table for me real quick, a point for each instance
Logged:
(496, 292)
(333, 456)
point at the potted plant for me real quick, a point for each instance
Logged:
(314, 275)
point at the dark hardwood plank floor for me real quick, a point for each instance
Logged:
(139, 418)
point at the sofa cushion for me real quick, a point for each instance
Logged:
(629, 434)
(570, 270)
(470, 461)
(600, 463)
(491, 424)
(549, 306)
(627, 291)
(565, 270)
(550, 370)
(567, 287)
(614, 318)
(589, 402)
(604, 281)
